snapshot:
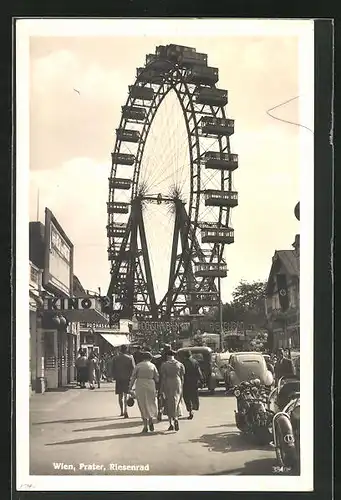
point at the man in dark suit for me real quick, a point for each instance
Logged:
(123, 366)
(284, 366)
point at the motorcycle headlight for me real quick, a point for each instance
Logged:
(237, 393)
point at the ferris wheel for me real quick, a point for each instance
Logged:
(172, 152)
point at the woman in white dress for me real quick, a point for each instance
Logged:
(145, 377)
(172, 380)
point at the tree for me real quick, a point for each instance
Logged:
(247, 305)
(250, 296)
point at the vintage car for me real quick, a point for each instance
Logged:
(245, 366)
(221, 368)
(204, 356)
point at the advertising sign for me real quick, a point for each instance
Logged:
(58, 269)
(159, 326)
(76, 303)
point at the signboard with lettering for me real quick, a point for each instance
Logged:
(159, 326)
(99, 326)
(58, 269)
(75, 303)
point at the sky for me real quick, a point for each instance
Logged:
(72, 136)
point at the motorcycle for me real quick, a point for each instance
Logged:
(286, 433)
(253, 416)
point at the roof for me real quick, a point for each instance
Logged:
(77, 287)
(290, 261)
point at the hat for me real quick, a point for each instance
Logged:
(146, 355)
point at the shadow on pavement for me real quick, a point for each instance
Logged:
(62, 389)
(232, 424)
(106, 438)
(226, 442)
(260, 467)
(75, 420)
(119, 425)
(217, 394)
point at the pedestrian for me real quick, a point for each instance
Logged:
(284, 366)
(138, 354)
(269, 364)
(193, 376)
(98, 371)
(172, 379)
(145, 377)
(109, 368)
(158, 359)
(82, 368)
(123, 366)
(93, 368)
(79, 354)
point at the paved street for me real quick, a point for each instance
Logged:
(78, 428)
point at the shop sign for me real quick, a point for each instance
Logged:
(58, 270)
(159, 326)
(75, 303)
(94, 326)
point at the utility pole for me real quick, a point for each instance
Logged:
(38, 208)
(220, 315)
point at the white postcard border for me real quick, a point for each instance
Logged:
(85, 27)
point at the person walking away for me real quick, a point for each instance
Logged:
(123, 366)
(172, 379)
(145, 377)
(109, 367)
(138, 354)
(193, 376)
(161, 403)
(98, 371)
(284, 366)
(92, 367)
(82, 368)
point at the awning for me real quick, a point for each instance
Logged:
(116, 339)
(84, 316)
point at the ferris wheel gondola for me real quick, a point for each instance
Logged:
(202, 222)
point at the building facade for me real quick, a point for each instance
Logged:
(53, 339)
(282, 303)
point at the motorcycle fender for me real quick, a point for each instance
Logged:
(282, 422)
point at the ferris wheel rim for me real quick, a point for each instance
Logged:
(193, 221)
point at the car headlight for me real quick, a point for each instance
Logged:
(237, 393)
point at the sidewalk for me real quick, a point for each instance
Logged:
(52, 399)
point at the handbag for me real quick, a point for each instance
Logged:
(131, 399)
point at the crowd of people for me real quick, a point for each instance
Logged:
(159, 383)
